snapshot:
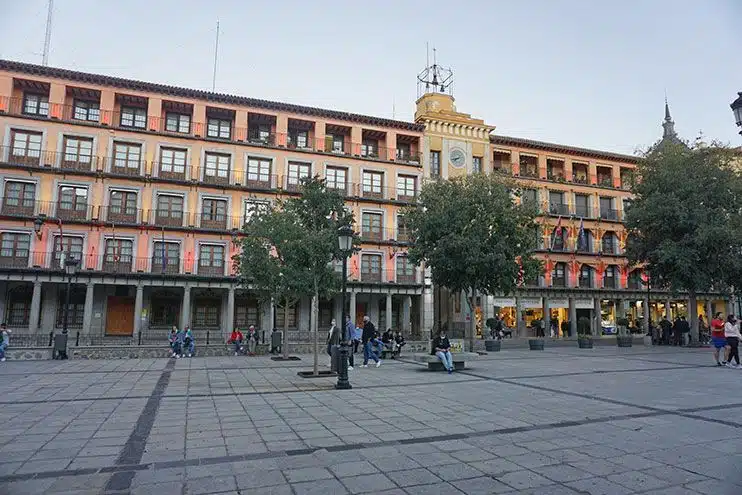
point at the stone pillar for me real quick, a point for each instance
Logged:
(620, 308)
(389, 318)
(597, 319)
(520, 330)
(185, 309)
(406, 310)
(352, 305)
(547, 315)
(138, 305)
(87, 316)
(668, 310)
(572, 317)
(647, 313)
(227, 327)
(33, 317)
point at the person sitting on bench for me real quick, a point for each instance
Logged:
(387, 338)
(399, 340)
(442, 349)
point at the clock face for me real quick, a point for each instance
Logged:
(457, 157)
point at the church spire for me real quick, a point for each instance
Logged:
(668, 125)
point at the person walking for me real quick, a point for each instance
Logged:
(731, 332)
(666, 327)
(718, 339)
(348, 338)
(369, 333)
(333, 339)
(4, 340)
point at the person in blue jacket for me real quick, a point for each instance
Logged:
(188, 342)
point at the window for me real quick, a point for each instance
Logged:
(14, 249)
(118, 255)
(19, 198)
(558, 242)
(169, 210)
(529, 196)
(606, 209)
(172, 163)
(371, 268)
(211, 260)
(86, 110)
(133, 117)
(165, 310)
(404, 152)
(371, 226)
(260, 133)
(76, 308)
(217, 168)
(586, 277)
(165, 257)
(78, 153)
(501, 161)
(372, 184)
(126, 158)
(18, 306)
(298, 139)
(477, 164)
(584, 241)
(259, 172)
(281, 316)
(36, 105)
(214, 214)
(246, 313)
(206, 312)
(435, 164)
(219, 128)
(253, 206)
(73, 203)
(297, 172)
(406, 186)
(370, 148)
(71, 245)
(405, 270)
(557, 206)
(337, 143)
(122, 207)
(26, 147)
(557, 275)
(403, 233)
(336, 178)
(609, 278)
(609, 243)
(178, 122)
(582, 208)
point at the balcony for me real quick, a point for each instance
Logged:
(68, 212)
(605, 181)
(582, 211)
(531, 172)
(112, 265)
(170, 267)
(18, 207)
(558, 282)
(561, 209)
(611, 215)
(411, 157)
(216, 222)
(169, 218)
(579, 178)
(211, 270)
(17, 261)
(119, 214)
(390, 277)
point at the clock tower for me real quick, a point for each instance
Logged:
(455, 143)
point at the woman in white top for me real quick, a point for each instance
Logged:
(731, 332)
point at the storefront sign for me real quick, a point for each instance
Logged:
(503, 302)
(584, 304)
(530, 302)
(559, 303)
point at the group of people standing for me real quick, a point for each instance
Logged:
(675, 333)
(182, 343)
(366, 336)
(726, 335)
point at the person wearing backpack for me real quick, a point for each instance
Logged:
(4, 340)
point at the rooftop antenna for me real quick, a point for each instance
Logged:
(216, 54)
(48, 36)
(394, 107)
(434, 78)
(427, 63)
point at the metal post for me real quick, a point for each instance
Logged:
(343, 383)
(67, 304)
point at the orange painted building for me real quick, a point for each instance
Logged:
(147, 185)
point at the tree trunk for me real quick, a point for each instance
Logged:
(693, 316)
(473, 322)
(286, 328)
(313, 324)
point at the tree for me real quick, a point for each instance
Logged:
(288, 249)
(470, 232)
(684, 222)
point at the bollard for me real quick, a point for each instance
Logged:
(139, 338)
(207, 337)
(77, 339)
(262, 338)
(343, 383)
(51, 338)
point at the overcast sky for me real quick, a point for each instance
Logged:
(576, 72)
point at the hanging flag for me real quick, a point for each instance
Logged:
(581, 236)
(164, 252)
(557, 233)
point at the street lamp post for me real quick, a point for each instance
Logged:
(70, 266)
(737, 109)
(345, 243)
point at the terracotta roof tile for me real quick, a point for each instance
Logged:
(561, 148)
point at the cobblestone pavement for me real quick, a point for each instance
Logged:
(561, 421)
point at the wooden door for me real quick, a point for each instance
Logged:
(360, 312)
(120, 315)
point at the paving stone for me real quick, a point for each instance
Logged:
(413, 477)
(248, 480)
(395, 463)
(356, 468)
(484, 485)
(524, 479)
(320, 487)
(457, 471)
(598, 486)
(306, 474)
(213, 484)
(563, 472)
(370, 483)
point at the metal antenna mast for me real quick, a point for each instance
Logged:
(216, 54)
(48, 37)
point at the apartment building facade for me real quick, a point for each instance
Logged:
(148, 187)
(582, 196)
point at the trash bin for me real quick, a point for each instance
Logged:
(276, 338)
(335, 358)
(60, 346)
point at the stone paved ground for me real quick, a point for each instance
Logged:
(562, 421)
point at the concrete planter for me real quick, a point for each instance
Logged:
(536, 344)
(624, 340)
(648, 340)
(492, 345)
(584, 342)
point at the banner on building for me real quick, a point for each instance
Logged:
(530, 302)
(584, 304)
(561, 302)
(503, 302)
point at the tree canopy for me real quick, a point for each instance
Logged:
(470, 232)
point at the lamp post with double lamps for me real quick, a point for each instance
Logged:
(345, 243)
(70, 267)
(737, 109)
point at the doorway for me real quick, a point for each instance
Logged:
(120, 315)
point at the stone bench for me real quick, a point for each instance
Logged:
(435, 364)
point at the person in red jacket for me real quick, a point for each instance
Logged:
(236, 339)
(718, 340)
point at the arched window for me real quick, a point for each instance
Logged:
(586, 276)
(609, 243)
(558, 275)
(610, 277)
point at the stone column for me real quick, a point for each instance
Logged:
(406, 309)
(352, 305)
(620, 308)
(33, 317)
(547, 315)
(389, 319)
(572, 317)
(185, 309)
(87, 316)
(138, 305)
(519, 323)
(227, 327)
(668, 310)
(597, 319)
(647, 313)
